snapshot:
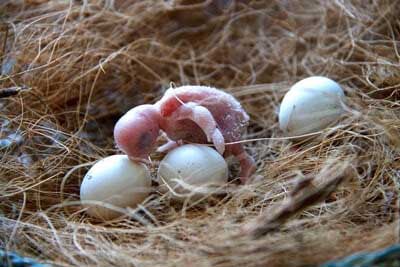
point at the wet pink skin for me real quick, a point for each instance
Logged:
(192, 114)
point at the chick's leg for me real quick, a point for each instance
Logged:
(171, 144)
(247, 164)
(205, 120)
(167, 146)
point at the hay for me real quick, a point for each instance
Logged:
(82, 64)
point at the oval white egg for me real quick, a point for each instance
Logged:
(114, 180)
(311, 105)
(192, 170)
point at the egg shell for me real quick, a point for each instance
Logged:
(198, 166)
(115, 180)
(311, 105)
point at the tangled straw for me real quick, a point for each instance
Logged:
(84, 63)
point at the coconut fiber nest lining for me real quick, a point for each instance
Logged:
(77, 66)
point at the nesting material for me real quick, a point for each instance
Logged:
(85, 63)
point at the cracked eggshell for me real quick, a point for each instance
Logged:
(311, 105)
(192, 171)
(115, 180)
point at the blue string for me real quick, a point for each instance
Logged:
(9, 259)
(387, 256)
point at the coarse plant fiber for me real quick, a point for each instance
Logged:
(82, 64)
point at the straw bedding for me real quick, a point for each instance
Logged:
(79, 65)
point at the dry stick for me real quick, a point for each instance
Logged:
(4, 28)
(305, 195)
(11, 91)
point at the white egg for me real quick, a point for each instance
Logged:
(116, 181)
(311, 105)
(192, 170)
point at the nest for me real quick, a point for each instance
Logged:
(77, 66)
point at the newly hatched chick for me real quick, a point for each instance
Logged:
(195, 114)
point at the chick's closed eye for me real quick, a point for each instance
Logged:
(145, 140)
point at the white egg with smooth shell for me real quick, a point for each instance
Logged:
(116, 181)
(311, 105)
(192, 170)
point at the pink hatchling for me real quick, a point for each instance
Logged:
(195, 114)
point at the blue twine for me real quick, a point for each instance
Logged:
(9, 259)
(387, 257)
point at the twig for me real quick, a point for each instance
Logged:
(3, 28)
(304, 195)
(11, 91)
